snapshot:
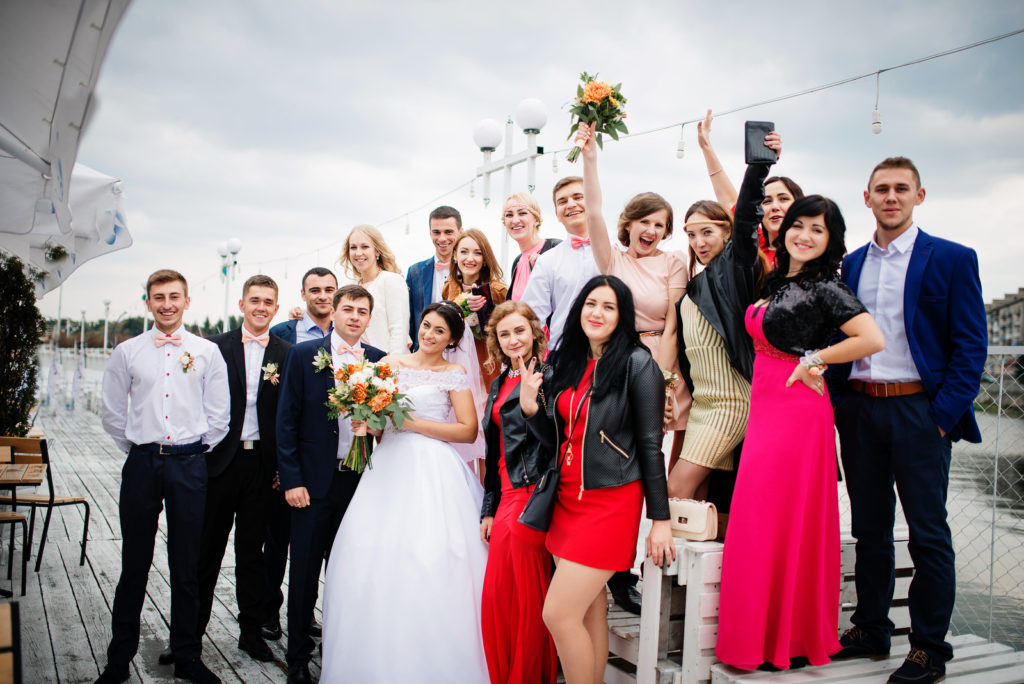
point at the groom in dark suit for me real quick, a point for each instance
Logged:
(310, 450)
(241, 467)
(426, 278)
(899, 412)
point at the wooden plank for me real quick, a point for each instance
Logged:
(93, 606)
(105, 562)
(71, 649)
(6, 626)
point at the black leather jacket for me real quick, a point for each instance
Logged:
(725, 289)
(525, 458)
(622, 438)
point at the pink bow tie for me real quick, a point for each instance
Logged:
(354, 351)
(441, 265)
(262, 340)
(578, 242)
(161, 341)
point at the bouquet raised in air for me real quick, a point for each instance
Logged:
(472, 320)
(601, 102)
(368, 392)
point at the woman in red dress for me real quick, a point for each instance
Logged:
(603, 420)
(518, 646)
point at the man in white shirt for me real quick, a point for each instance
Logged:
(562, 271)
(899, 411)
(165, 402)
(310, 451)
(425, 279)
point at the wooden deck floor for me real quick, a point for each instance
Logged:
(66, 612)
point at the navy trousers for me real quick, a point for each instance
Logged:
(886, 441)
(148, 479)
(313, 530)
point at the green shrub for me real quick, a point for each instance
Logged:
(22, 326)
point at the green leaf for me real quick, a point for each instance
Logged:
(600, 142)
(579, 91)
(612, 132)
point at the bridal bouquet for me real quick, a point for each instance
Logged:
(472, 320)
(601, 102)
(368, 392)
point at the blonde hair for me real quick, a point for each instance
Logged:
(385, 257)
(529, 201)
(495, 356)
(490, 271)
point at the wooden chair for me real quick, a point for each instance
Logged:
(30, 450)
(10, 643)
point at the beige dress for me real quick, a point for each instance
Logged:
(721, 396)
(649, 279)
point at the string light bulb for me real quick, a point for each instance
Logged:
(554, 163)
(472, 188)
(876, 116)
(681, 146)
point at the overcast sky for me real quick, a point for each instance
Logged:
(285, 124)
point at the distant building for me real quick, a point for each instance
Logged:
(1006, 319)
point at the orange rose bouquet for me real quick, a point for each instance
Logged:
(601, 102)
(368, 392)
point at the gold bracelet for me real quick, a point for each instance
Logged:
(714, 172)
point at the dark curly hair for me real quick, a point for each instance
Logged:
(825, 266)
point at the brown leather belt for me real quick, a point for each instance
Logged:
(884, 390)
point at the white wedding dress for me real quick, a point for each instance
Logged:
(403, 585)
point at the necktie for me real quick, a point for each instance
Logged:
(442, 265)
(262, 340)
(578, 242)
(354, 351)
(161, 341)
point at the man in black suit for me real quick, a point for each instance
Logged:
(310, 450)
(241, 468)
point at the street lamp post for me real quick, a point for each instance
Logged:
(106, 323)
(228, 251)
(530, 115)
(83, 333)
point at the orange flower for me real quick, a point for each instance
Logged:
(359, 393)
(383, 371)
(341, 374)
(595, 91)
(380, 402)
(352, 368)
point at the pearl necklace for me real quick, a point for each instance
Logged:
(514, 373)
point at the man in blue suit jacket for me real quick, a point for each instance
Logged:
(899, 412)
(426, 278)
(310, 449)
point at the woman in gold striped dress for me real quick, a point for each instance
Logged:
(716, 354)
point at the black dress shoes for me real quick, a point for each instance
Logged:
(298, 673)
(857, 643)
(628, 598)
(255, 646)
(272, 630)
(113, 674)
(918, 668)
(195, 671)
(166, 657)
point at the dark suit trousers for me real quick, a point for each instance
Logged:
(313, 530)
(887, 440)
(239, 497)
(147, 480)
(275, 554)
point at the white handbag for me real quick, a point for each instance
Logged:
(693, 520)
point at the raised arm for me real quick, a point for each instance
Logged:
(596, 227)
(748, 206)
(725, 191)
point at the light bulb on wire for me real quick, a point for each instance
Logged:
(876, 122)
(681, 146)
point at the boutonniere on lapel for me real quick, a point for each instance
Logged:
(270, 373)
(322, 360)
(188, 363)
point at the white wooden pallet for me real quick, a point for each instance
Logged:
(974, 660)
(673, 641)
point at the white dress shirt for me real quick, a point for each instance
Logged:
(148, 397)
(438, 283)
(557, 278)
(882, 282)
(388, 328)
(344, 423)
(307, 329)
(253, 354)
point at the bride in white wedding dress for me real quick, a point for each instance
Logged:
(403, 586)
